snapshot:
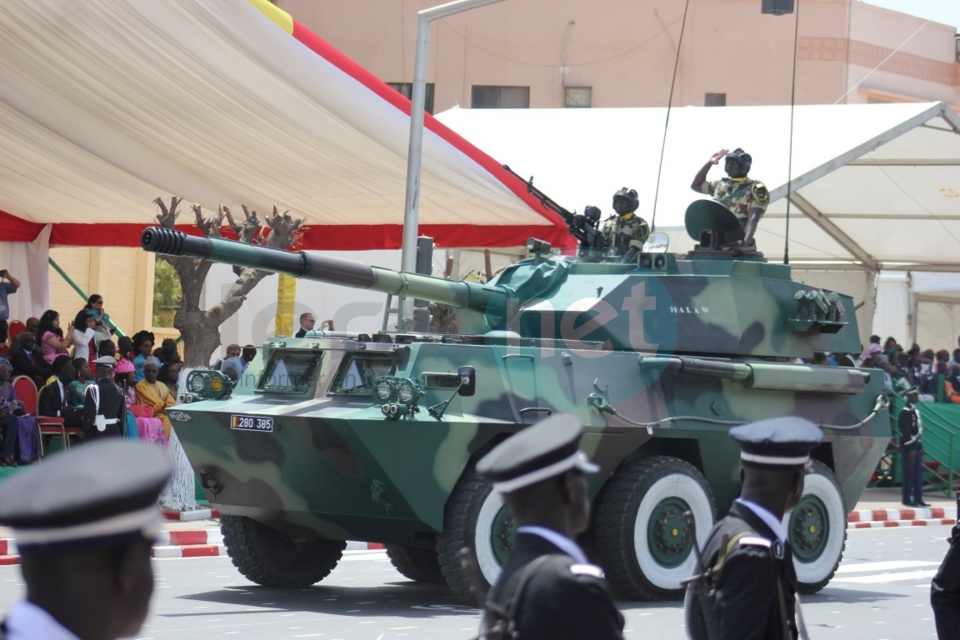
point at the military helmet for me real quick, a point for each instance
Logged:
(744, 158)
(630, 195)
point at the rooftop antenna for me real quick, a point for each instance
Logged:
(793, 103)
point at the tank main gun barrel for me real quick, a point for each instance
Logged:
(300, 264)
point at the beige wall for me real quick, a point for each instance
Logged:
(123, 276)
(625, 50)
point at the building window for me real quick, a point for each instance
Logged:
(577, 97)
(714, 99)
(493, 97)
(406, 88)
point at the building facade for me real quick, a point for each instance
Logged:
(623, 53)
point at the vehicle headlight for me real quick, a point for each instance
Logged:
(384, 389)
(406, 393)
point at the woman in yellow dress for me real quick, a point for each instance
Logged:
(154, 393)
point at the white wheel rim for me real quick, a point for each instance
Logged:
(816, 571)
(486, 559)
(675, 485)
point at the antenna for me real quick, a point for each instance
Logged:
(666, 125)
(793, 104)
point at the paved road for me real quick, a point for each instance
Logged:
(881, 591)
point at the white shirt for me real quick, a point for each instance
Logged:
(27, 621)
(768, 518)
(81, 343)
(559, 540)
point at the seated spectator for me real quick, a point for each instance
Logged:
(845, 360)
(107, 348)
(57, 366)
(28, 361)
(125, 348)
(873, 350)
(32, 325)
(167, 351)
(78, 388)
(155, 394)
(820, 358)
(941, 363)
(170, 375)
(140, 420)
(891, 349)
(53, 342)
(54, 399)
(21, 438)
(143, 346)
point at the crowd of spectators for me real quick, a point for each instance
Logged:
(60, 361)
(935, 374)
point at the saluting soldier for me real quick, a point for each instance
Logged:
(547, 589)
(746, 198)
(104, 408)
(747, 587)
(85, 521)
(625, 233)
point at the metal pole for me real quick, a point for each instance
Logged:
(411, 211)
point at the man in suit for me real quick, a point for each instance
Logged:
(747, 586)
(911, 451)
(85, 521)
(307, 321)
(28, 361)
(548, 588)
(54, 398)
(104, 409)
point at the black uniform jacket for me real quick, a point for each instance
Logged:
(909, 425)
(945, 591)
(112, 406)
(747, 600)
(561, 600)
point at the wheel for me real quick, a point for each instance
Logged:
(818, 529)
(416, 563)
(475, 519)
(271, 559)
(639, 535)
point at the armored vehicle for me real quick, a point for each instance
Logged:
(342, 436)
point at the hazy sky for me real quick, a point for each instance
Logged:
(945, 11)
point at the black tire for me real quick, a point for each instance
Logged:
(416, 563)
(642, 503)
(271, 559)
(472, 512)
(818, 529)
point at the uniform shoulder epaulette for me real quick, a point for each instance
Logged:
(591, 570)
(755, 541)
(760, 192)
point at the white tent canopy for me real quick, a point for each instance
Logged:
(106, 105)
(874, 186)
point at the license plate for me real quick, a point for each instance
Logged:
(252, 423)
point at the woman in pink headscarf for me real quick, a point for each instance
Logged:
(140, 418)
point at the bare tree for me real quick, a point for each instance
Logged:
(200, 328)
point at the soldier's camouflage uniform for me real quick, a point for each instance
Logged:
(739, 195)
(622, 232)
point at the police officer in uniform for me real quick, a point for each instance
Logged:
(747, 586)
(911, 451)
(548, 588)
(85, 521)
(625, 233)
(746, 198)
(104, 408)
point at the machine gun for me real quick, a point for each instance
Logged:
(583, 226)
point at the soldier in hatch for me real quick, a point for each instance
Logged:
(746, 198)
(625, 233)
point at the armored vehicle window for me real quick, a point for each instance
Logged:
(290, 371)
(359, 372)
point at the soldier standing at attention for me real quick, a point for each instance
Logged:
(911, 451)
(547, 589)
(104, 408)
(747, 588)
(85, 522)
(625, 233)
(747, 198)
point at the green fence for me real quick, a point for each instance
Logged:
(941, 429)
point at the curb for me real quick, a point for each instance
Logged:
(192, 516)
(906, 513)
(884, 524)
